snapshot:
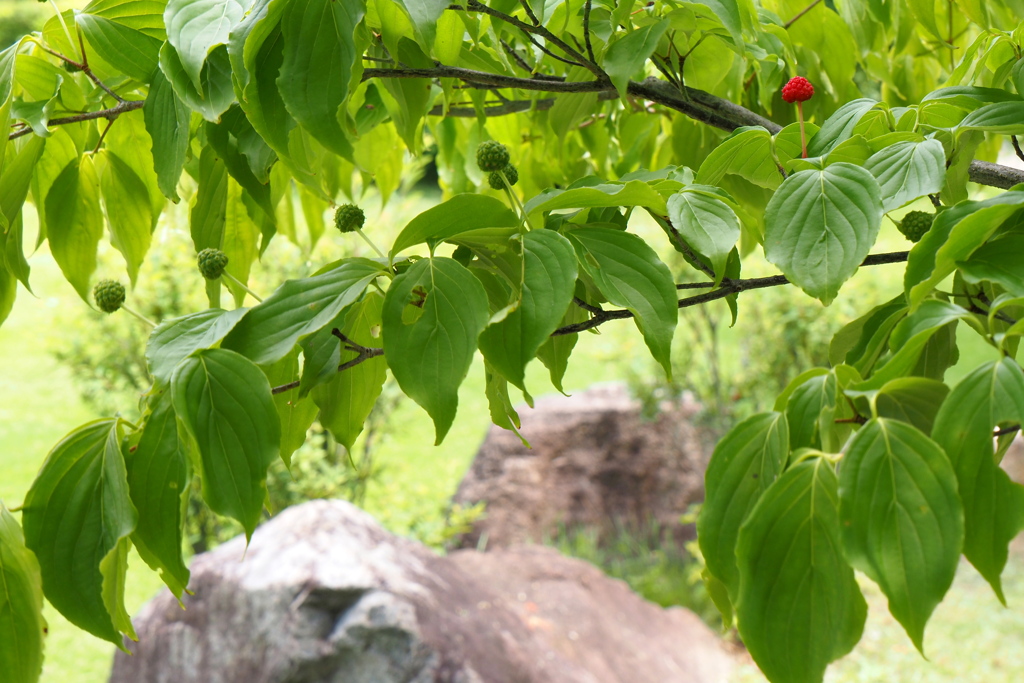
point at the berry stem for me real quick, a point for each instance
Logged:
(803, 135)
(138, 315)
(370, 242)
(231, 278)
(515, 200)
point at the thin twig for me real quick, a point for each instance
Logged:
(112, 112)
(1006, 430)
(1016, 147)
(110, 122)
(365, 353)
(728, 288)
(518, 58)
(586, 31)
(802, 12)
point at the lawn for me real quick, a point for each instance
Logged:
(972, 637)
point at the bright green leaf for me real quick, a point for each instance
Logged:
(628, 54)
(22, 627)
(174, 340)
(74, 223)
(224, 403)
(462, 213)
(129, 212)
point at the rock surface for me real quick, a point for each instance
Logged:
(325, 595)
(595, 462)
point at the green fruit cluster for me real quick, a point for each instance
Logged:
(212, 263)
(349, 218)
(511, 174)
(491, 155)
(109, 295)
(915, 224)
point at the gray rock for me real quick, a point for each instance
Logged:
(324, 595)
(594, 462)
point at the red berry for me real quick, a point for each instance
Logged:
(799, 89)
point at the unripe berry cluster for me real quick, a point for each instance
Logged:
(511, 175)
(212, 263)
(349, 218)
(491, 156)
(109, 295)
(915, 224)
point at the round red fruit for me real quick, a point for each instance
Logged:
(799, 89)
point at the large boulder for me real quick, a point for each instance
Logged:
(323, 594)
(595, 462)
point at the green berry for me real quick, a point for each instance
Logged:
(212, 263)
(915, 224)
(109, 295)
(349, 218)
(511, 174)
(71, 68)
(491, 156)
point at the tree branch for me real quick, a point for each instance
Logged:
(802, 12)
(365, 353)
(109, 114)
(728, 288)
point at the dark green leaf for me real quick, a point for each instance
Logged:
(908, 170)
(548, 285)
(630, 274)
(217, 93)
(299, 307)
(999, 117)
(319, 51)
(460, 214)
(810, 410)
(993, 505)
(209, 209)
(159, 474)
(77, 519)
(224, 403)
(954, 235)
(839, 126)
(706, 223)
(745, 463)
(433, 314)
(627, 55)
(22, 627)
(346, 400)
(902, 520)
(820, 225)
(167, 120)
(295, 412)
(799, 607)
(998, 261)
(555, 352)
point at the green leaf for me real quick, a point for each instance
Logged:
(839, 126)
(954, 235)
(295, 412)
(914, 400)
(346, 400)
(195, 27)
(299, 307)
(997, 261)
(319, 53)
(746, 153)
(224, 403)
(810, 410)
(22, 627)
(902, 520)
(627, 55)
(548, 284)
(820, 225)
(993, 505)
(799, 606)
(175, 340)
(74, 223)
(706, 223)
(744, 464)
(910, 336)
(631, 193)
(129, 212)
(217, 93)
(460, 214)
(908, 170)
(433, 314)
(554, 353)
(321, 355)
(425, 15)
(159, 474)
(126, 34)
(630, 274)
(499, 403)
(77, 518)
(167, 120)
(999, 117)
